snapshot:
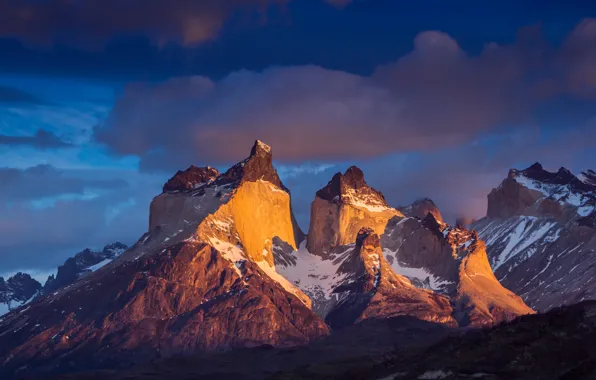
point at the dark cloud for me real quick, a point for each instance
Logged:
(42, 140)
(92, 23)
(435, 97)
(45, 181)
(15, 95)
(578, 59)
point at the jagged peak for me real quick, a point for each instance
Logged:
(258, 166)
(421, 207)
(351, 188)
(190, 178)
(260, 148)
(351, 179)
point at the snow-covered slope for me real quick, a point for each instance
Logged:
(541, 237)
(517, 238)
(354, 282)
(451, 261)
(427, 258)
(81, 264)
(17, 291)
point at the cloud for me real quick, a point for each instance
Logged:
(437, 96)
(15, 95)
(90, 23)
(45, 181)
(42, 140)
(578, 58)
(41, 226)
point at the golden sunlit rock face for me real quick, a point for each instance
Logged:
(342, 208)
(452, 261)
(480, 291)
(254, 215)
(222, 267)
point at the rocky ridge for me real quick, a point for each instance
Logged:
(201, 279)
(450, 264)
(422, 207)
(224, 266)
(17, 291)
(540, 235)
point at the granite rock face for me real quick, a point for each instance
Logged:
(371, 290)
(451, 261)
(342, 208)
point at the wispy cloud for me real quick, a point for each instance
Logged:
(41, 139)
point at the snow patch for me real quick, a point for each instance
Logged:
(287, 285)
(99, 265)
(364, 201)
(421, 274)
(313, 275)
(230, 252)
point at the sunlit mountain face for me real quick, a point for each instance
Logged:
(237, 182)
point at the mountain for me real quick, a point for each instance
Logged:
(21, 288)
(202, 279)
(17, 291)
(224, 266)
(342, 208)
(81, 264)
(540, 233)
(372, 290)
(554, 345)
(422, 207)
(407, 265)
(454, 262)
(342, 268)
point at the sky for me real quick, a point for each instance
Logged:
(102, 101)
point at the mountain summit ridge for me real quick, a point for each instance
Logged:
(223, 265)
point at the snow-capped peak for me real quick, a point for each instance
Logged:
(562, 186)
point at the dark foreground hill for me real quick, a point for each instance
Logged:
(555, 345)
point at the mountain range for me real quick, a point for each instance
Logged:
(224, 266)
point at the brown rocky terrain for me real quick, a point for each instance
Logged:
(454, 262)
(201, 280)
(190, 179)
(555, 345)
(449, 278)
(540, 235)
(371, 290)
(225, 267)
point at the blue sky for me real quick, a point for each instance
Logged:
(431, 98)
